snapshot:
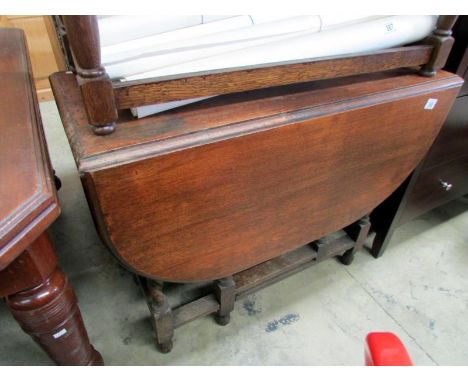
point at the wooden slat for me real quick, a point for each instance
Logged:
(274, 270)
(171, 88)
(199, 308)
(261, 276)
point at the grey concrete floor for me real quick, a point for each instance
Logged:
(418, 290)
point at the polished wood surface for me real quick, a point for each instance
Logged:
(45, 50)
(83, 36)
(216, 188)
(36, 290)
(42, 300)
(31, 268)
(169, 131)
(27, 192)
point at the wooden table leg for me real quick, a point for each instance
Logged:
(225, 290)
(358, 232)
(47, 310)
(161, 313)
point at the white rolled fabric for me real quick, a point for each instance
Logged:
(173, 58)
(116, 29)
(173, 39)
(334, 21)
(123, 59)
(119, 29)
(211, 18)
(260, 19)
(372, 35)
(224, 31)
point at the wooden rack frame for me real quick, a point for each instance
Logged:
(103, 97)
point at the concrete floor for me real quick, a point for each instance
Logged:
(418, 290)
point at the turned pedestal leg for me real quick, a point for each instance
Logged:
(225, 290)
(46, 306)
(161, 312)
(49, 314)
(358, 232)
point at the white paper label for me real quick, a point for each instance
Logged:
(390, 27)
(60, 333)
(430, 104)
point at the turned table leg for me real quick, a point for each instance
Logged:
(48, 310)
(161, 313)
(49, 314)
(225, 290)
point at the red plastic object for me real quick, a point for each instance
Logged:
(386, 349)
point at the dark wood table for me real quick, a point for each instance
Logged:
(37, 292)
(221, 191)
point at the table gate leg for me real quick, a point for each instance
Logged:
(358, 232)
(161, 313)
(225, 290)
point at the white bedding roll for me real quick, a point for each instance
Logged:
(334, 21)
(115, 29)
(119, 29)
(268, 29)
(261, 19)
(223, 31)
(166, 59)
(357, 38)
(134, 48)
(187, 39)
(211, 18)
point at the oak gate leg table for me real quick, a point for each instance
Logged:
(37, 292)
(224, 190)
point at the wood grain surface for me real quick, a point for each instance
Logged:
(221, 200)
(172, 130)
(27, 192)
(172, 88)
